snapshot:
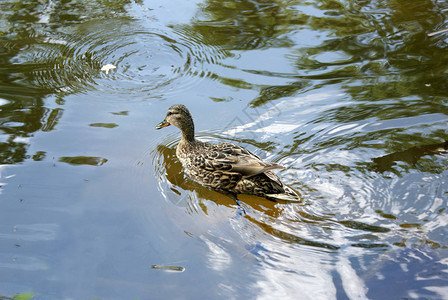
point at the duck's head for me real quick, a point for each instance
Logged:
(179, 116)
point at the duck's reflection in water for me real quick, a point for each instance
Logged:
(261, 213)
(170, 168)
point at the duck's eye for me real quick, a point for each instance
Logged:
(169, 113)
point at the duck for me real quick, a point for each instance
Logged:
(225, 167)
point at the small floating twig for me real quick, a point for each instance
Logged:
(168, 268)
(437, 32)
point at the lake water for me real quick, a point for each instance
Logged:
(350, 96)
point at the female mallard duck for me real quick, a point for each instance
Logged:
(224, 167)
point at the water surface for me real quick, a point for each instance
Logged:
(350, 96)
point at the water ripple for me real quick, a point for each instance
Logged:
(148, 60)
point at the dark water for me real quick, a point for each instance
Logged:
(350, 96)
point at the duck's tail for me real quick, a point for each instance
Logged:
(289, 195)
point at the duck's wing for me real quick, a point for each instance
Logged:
(247, 166)
(234, 158)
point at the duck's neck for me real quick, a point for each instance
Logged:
(187, 131)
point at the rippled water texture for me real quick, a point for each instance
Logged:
(350, 96)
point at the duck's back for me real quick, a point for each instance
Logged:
(230, 168)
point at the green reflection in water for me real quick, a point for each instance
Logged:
(104, 125)
(83, 160)
(37, 60)
(248, 24)
(413, 158)
(377, 47)
(22, 296)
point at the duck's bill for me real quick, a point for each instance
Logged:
(162, 124)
